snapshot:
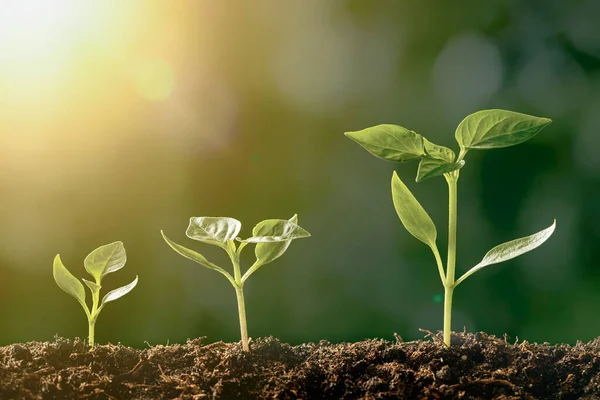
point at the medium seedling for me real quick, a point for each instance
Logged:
(486, 129)
(99, 263)
(272, 238)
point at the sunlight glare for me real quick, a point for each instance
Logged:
(37, 39)
(30, 28)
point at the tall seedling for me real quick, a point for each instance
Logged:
(272, 238)
(486, 129)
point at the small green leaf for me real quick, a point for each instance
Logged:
(390, 142)
(120, 292)
(438, 152)
(267, 252)
(213, 230)
(105, 259)
(196, 257)
(67, 282)
(509, 250)
(276, 230)
(430, 167)
(94, 287)
(438, 161)
(489, 129)
(414, 218)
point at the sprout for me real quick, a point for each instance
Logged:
(99, 263)
(487, 129)
(272, 238)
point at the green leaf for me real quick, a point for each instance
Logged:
(213, 230)
(438, 161)
(414, 218)
(118, 293)
(489, 129)
(94, 287)
(67, 282)
(196, 257)
(438, 152)
(390, 142)
(509, 250)
(105, 259)
(276, 230)
(268, 252)
(430, 167)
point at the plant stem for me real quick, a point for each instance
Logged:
(447, 314)
(93, 315)
(239, 292)
(91, 324)
(242, 312)
(452, 179)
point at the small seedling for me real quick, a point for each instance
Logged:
(272, 238)
(486, 129)
(99, 263)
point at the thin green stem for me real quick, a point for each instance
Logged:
(239, 284)
(440, 264)
(93, 315)
(452, 179)
(242, 312)
(235, 260)
(91, 324)
(447, 314)
(462, 154)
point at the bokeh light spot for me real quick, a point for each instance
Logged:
(467, 73)
(154, 79)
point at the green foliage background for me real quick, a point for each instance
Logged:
(254, 129)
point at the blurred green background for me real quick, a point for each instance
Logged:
(118, 119)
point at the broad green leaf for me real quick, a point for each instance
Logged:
(120, 292)
(213, 230)
(105, 259)
(390, 142)
(94, 287)
(489, 129)
(414, 218)
(276, 230)
(67, 282)
(196, 257)
(509, 250)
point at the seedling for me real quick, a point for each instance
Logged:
(272, 238)
(486, 129)
(99, 263)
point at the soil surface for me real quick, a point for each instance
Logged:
(477, 366)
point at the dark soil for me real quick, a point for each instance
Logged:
(476, 367)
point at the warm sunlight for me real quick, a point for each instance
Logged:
(39, 34)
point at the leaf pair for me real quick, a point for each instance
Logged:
(99, 263)
(395, 143)
(419, 224)
(484, 129)
(272, 238)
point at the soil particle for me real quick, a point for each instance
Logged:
(477, 366)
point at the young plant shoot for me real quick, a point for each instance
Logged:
(486, 129)
(272, 238)
(99, 263)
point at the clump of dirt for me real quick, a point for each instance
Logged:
(477, 366)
